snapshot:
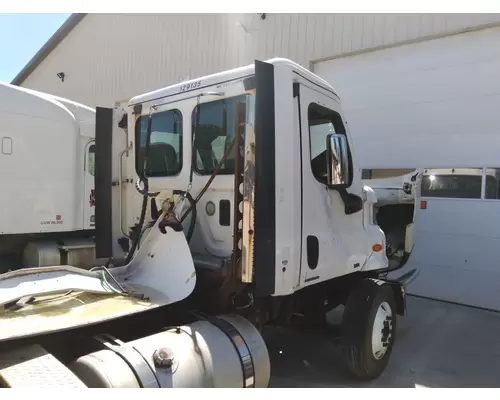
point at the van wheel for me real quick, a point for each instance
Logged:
(368, 329)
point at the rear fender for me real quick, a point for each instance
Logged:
(398, 286)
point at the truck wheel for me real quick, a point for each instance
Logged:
(368, 329)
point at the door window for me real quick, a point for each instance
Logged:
(322, 122)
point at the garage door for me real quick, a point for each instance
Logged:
(436, 104)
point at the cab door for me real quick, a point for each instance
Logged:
(334, 240)
(89, 187)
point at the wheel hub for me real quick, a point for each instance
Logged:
(382, 330)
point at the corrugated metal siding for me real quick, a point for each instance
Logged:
(112, 57)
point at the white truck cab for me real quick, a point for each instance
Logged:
(237, 202)
(256, 165)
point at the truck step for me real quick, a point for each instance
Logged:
(33, 367)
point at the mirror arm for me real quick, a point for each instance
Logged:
(352, 202)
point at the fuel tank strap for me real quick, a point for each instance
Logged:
(137, 363)
(241, 347)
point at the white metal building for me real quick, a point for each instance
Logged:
(407, 83)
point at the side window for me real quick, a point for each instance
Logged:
(322, 121)
(457, 183)
(91, 160)
(492, 189)
(165, 149)
(218, 121)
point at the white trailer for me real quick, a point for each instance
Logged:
(47, 164)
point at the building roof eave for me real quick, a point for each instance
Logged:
(48, 47)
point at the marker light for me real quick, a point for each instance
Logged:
(377, 247)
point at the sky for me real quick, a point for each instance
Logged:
(25, 34)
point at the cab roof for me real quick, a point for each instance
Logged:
(223, 77)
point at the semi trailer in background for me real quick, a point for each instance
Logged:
(47, 163)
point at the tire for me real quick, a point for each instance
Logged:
(360, 326)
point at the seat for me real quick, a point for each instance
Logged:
(162, 160)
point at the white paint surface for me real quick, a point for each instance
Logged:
(43, 145)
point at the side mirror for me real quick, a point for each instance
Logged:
(337, 158)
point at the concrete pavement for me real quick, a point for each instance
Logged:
(438, 345)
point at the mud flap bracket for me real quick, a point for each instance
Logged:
(398, 286)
